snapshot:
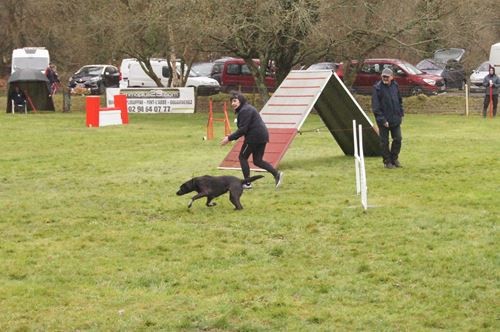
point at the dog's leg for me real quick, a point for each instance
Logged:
(234, 197)
(209, 202)
(195, 197)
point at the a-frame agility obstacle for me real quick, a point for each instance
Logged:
(287, 109)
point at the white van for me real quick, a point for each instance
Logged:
(124, 70)
(495, 57)
(204, 86)
(30, 57)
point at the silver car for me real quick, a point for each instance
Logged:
(477, 76)
(447, 64)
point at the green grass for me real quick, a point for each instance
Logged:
(93, 237)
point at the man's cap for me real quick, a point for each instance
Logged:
(387, 72)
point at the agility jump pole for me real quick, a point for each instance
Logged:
(211, 119)
(359, 164)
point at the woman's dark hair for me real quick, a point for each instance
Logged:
(239, 96)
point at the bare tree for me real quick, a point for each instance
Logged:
(268, 30)
(160, 29)
(407, 29)
(283, 32)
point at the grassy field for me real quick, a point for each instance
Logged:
(93, 237)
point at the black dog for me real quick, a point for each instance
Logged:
(214, 186)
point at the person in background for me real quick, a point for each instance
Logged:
(18, 98)
(387, 106)
(491, 82)
(53, 77)
(252, 127)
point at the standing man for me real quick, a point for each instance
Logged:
(252, 127)
(387, 105)
(491, 82)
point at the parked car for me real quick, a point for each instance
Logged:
(333, 66)
(234, 74)
(204, 86)
(411, 80)
(446, 63)
(202, 68)
(477, 76)
(95, 78)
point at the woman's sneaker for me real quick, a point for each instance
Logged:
(247, 185)
(279, 179)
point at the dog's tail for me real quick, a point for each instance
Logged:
(252, 178)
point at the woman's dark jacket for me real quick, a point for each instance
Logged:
(387, 104)
(496, 84)
(250, 125)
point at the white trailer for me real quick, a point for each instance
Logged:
(495, 57)
(30, 58)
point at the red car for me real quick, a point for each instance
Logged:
(411, 80)
(234, 74)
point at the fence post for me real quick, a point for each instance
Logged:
(66, 101)
(227, 126)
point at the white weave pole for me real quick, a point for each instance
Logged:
(364, 189)
(356, 157)
(359, 164)
(466, 99)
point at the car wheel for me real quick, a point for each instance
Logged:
(415, 91)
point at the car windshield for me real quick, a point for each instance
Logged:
(485, 66)
(411, 69)
(202, 69)
(90, 71)
(428, 65)
(192, 72)
(323, 65)
(448, 54)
